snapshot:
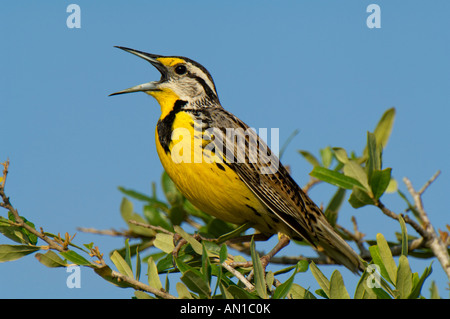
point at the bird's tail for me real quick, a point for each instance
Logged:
(337, 248)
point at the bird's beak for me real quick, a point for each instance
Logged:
(150, 86)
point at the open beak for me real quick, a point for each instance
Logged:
(150, 86)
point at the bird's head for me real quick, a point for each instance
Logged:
(181, 79)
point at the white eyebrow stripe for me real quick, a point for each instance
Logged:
(199, 72)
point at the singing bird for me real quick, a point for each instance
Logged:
(224, 168)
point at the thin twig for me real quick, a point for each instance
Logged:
(156, 228)
(406, 218)
(107, 232)
(427, 184)
(238, 275)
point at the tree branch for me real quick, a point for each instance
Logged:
(406, 218)
(432, 240)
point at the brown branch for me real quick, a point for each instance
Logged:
(432, 240)
(406, 218)
(107, 232)
(156, 228)
(428, 183)
(238, 275)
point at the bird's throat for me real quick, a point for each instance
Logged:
(166, 99)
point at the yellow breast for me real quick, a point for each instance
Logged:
(212, 187)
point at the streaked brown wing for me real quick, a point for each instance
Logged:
(276, 189)
(268, 180)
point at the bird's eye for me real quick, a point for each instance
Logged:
(180, 70)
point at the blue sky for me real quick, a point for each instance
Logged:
(314, 66)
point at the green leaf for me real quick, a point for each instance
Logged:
(76, 258)
(89, 246)
(206, 265)
(386, 257)
(50, 259)
(321, 293)
(392, 187)
(282, 290)
(404, 278)
(404, 236)
(142, 295)
(260, 281)
(302, 266)
(362, 291)
(234, 233)
(331, 212)
(384, 127)
(194, 211)
(382, 131)
(340, 154)
(323, 281)
(183, 291)
(164, 242)
(223, 253)
(270, 278)
(381, 294)
(191, 240)
(14, 233)
(374, 155)
(327, 156)
(177, 214)
(182, 266)
(334, 178)
(173, 195)
(121, 265)
(359, 198)
(167, 282)
(194, 280)
(337, 287)
(152, 273)
(138, 264)
(216, 227)
(13, 252)
(156, 218)
(380, 181)
(28, 238)
(354, 170)
(212, 249)
(127, 213)
(310, 158)
(240, 293)
(298, 292)
(434, 291)
(415, 293)
(225, 293)
(127, 252)
(376, 258)
(136, 195)
(106, 273)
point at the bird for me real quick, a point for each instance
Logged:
(224, 168)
